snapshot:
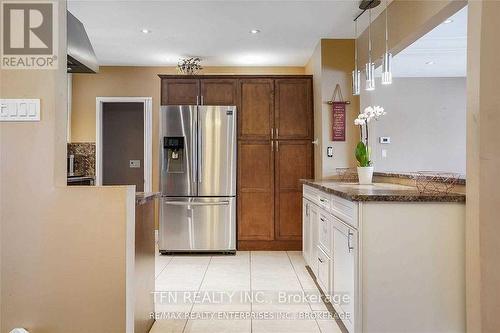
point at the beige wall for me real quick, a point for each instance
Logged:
(425, 121)
(313, 67)
(331, 64)
(483, 163)
(60, 247)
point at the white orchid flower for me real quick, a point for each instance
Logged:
(359, 122)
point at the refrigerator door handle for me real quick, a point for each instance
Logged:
(191, 203)
(194, 149)
(200, 147)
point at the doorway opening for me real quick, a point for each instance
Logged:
(124, 122)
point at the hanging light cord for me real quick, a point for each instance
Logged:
(370, 37)
(356, 45)
(386, 30)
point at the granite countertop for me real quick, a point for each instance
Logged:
(143, 197)
(380, 192)
(409, 175)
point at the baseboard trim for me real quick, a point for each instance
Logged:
(274, 245)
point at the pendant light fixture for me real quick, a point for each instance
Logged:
(370, 66)
(387, 57)
(356, 73)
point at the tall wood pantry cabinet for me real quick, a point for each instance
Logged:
(275, 133)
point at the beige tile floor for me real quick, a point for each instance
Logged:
(276, 280)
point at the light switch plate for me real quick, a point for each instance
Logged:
(135, 164)
(19, 109)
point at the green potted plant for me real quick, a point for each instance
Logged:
(363, 151)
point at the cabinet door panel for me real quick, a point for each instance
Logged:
(293, 162)
(344, 270)
(255, 191)
(180, 91)
(256, 109)
(293, 109)
(218, 92)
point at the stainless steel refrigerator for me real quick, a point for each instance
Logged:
(197, 179)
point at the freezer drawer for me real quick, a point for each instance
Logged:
(197, 224)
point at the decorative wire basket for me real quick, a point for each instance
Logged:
(432, 182)
(347, 175)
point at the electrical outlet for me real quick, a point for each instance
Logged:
(384, 153)
(385, 139)
(135, 164)
(329, 151)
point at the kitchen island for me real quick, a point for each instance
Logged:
(389, 258)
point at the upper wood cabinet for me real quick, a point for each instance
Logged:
(180, 91)
(293, 109)
(198, 92)
(218, 92)
(256, 114)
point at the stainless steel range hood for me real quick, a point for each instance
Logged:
(81, 55)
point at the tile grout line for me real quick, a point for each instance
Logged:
(164, 267)
(199, 288)
(301, 286)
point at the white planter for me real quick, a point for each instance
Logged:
(365, 175)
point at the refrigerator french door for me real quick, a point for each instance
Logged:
(198, 179)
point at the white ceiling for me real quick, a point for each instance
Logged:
(217, 31)
(445, 47)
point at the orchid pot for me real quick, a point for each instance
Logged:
(365, 175)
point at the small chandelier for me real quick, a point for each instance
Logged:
(356, 73)
(387, 57)
(370, 66)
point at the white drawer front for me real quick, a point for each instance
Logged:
(323, 275)
(345, 210)
(310, 193)
(324, 231)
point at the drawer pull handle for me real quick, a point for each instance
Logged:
(322, 200)
(320, 260)
(322, 219)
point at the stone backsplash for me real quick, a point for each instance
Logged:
(84, 153)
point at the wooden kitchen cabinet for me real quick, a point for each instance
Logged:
(218, 92)
(255, 191)
(293, 162)
(293, 114)
(180, 91)
(256, 114)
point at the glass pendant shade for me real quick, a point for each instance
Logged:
(370, 76)
(387, 68)
(356, 82)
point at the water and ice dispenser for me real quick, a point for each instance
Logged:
(174, 152)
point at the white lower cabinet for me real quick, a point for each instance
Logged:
(345, 249)
(330, 250)
(386, 265)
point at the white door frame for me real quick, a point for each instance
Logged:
(148, 134)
